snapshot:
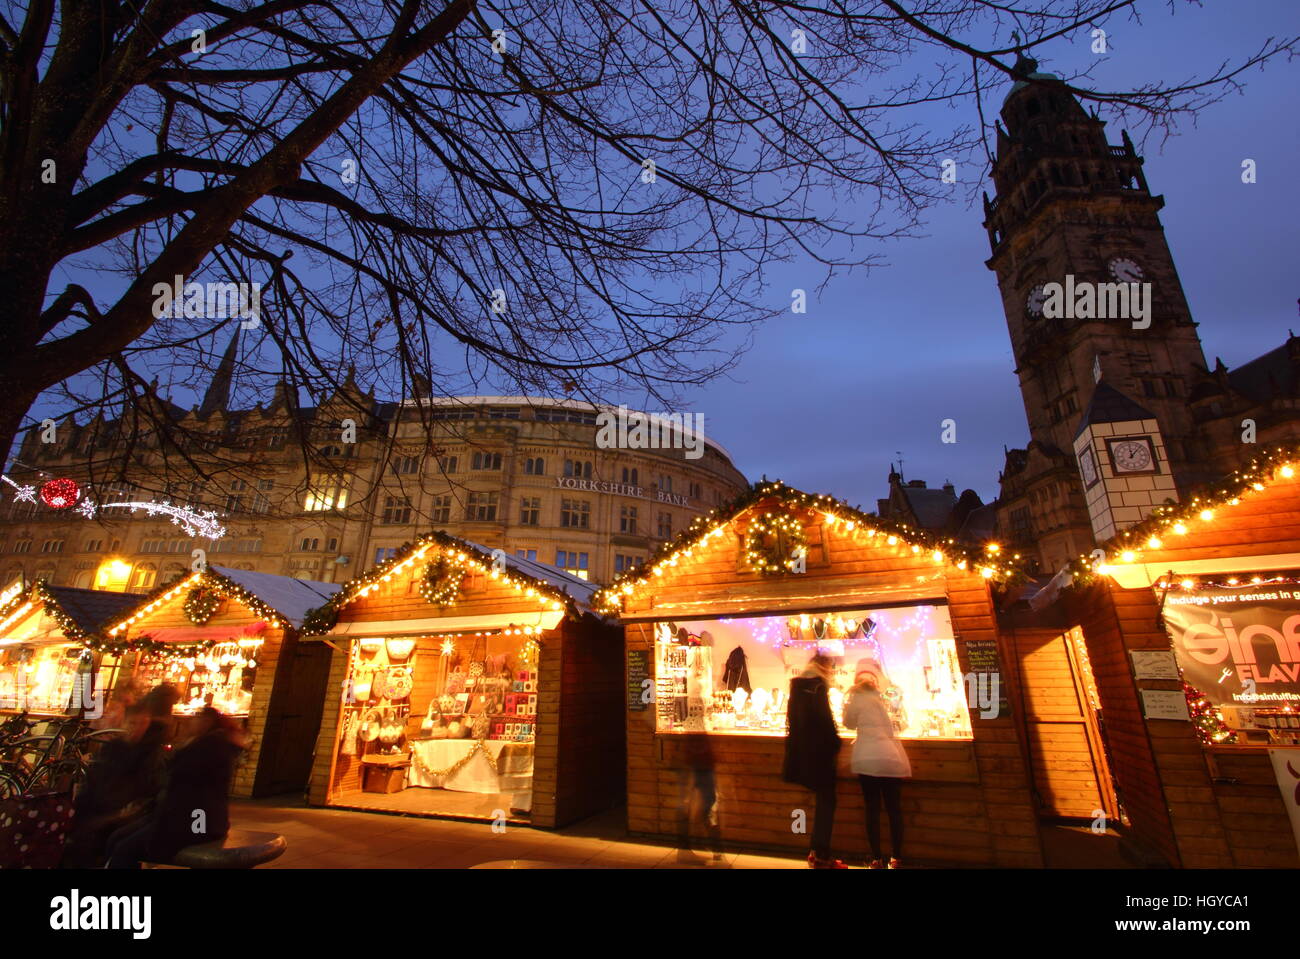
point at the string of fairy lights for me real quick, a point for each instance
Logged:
(781, 506)
(210, 582)
(1169, 523)
(455, 558)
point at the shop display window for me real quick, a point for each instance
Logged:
(49, 678)
(732, 675)
(441, 724)
(221, 676)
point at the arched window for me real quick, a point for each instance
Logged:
(143, 577)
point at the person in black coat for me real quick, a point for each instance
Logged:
(194, 807)
(812, 746)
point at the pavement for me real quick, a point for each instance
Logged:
(322, 838)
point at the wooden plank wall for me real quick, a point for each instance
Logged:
(1254, 818)
(1063, 770)
(229, 620)
(968, 801)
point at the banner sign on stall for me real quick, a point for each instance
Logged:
(1286, 767)
(1238, 646)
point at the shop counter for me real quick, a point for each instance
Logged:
(462, 765)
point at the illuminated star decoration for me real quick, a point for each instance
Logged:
(25, 494)
(87, 508)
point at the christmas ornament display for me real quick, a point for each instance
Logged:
(1206, 717)
(60, 493)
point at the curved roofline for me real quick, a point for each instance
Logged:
(536, 401)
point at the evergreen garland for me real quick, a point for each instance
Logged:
(200, 604)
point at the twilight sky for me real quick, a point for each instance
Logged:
(824, 401)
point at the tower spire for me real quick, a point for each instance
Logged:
(217, 396)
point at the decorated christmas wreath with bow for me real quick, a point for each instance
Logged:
(774, 543)
(200, 604)
(441, 582)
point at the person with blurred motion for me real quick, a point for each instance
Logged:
(812, 745)
(194, 806)
(697, 788)
(879, 760)
(121, 784)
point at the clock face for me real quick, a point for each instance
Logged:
(1088, 467)
(1034, 302)
(1132, 456)
(1125, 270)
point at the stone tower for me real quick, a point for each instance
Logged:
(1072, 209)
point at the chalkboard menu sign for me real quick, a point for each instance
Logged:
(982, 661)
(638, 671)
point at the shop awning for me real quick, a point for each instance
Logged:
(443, 624)
(201, 634)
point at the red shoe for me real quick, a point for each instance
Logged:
(895, 864)
(816, 863)
(875, 864)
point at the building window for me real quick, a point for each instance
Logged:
(309, 544)
(384, 553)
(406, 465)
(441, 509)
(624, 563)
(558, 415)
(575, 513)
(276, 437)
(234, 503)
(327, 491)
(486, 461)
(696, 492)
(249, 546)
(144, 577)
(578, 469)
(530, 511)
(630, 476)
(333, 545)
(448, 464)
(627, 519)
(52, 546)
(527, 554)
(482, 507)
(1020, 527)
(178, 546)
(665, 526)
(1149, 388)
(453, 414)
(503, 413)
(665, 483)
(397, 509)
(94, 546)
(535, 466)
(571, 562)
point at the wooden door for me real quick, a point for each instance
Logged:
(1071, 777)
(293, 718)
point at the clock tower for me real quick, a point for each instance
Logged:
(1073, 219)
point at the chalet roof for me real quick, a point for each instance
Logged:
(291, 598)
(1109, 405)
(90, 608)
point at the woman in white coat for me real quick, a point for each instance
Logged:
(879, 761)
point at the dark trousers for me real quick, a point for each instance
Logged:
(888, 789)
(126, 847)
(824, 820)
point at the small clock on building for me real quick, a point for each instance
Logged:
(1125, 270)
(1088, 468)
(1034, 302)
(1132, 454)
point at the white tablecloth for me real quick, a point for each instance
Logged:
(476, 776)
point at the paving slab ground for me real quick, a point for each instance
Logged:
(321, 838)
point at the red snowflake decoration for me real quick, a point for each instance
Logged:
(60, 493)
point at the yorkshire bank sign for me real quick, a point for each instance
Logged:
(619, 489)
(1238, 646)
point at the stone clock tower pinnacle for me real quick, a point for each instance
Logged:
(1074, 210)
